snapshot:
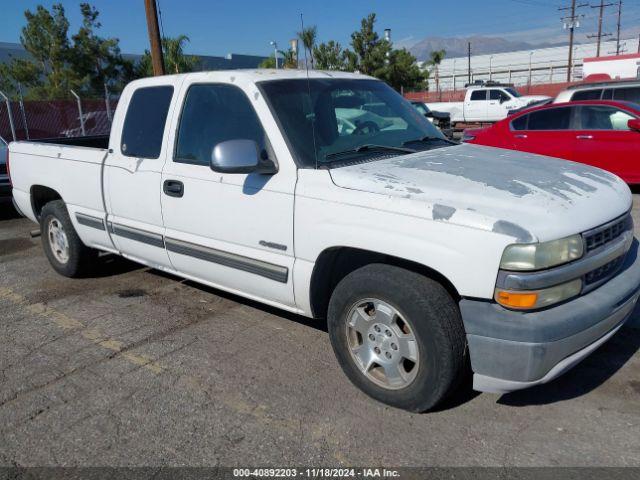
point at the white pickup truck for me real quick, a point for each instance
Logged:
(485, 104)
(427, 258)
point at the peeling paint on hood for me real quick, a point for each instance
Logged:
(529, 197)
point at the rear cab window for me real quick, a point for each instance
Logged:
(144, 122)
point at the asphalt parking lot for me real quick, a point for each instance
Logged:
(134, 367)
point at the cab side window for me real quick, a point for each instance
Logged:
(627, 94)
(215, 113)
(144, 123)
(498, 95)
(478, 95)
(551, 119)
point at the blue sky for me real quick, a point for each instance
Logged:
(218, 27)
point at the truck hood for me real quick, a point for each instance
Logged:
(529, 197)
(527, 99)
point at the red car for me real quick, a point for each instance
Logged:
(604, 134)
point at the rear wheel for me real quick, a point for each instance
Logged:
(65, 251)
(398, 336)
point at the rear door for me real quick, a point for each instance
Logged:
(234, 231)
(133, 171)
(545, 132)
(475, 106)
(604, 140)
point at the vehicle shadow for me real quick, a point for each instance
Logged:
(317, 324)
(7, 212)
(588, 375)
(108, 265)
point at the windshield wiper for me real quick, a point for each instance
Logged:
(427, 139)
(370, 147)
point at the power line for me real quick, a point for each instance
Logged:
(600, 35)
(619, 24)
(571, 22)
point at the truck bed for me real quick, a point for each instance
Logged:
(72, 167)
(96, 141)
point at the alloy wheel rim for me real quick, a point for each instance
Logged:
(382, 343)
(58, 241)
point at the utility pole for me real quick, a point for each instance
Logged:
(600, 35)
(469, 61)
(571, 22)
(619, 23)
(154, 37)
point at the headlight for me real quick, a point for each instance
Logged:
(536, 256)
(532, 299)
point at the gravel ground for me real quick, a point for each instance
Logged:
(135, 367)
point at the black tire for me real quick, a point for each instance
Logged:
(436, 324)
(80, 257)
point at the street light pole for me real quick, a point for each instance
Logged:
(275, 51)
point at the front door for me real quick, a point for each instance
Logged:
(545, 132)
(133, 171)
(234, 231)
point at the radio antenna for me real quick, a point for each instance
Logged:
(313, 112)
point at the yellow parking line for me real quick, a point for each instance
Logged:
(69, 323)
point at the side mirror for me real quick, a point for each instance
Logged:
(240, 156)
(634, 124)
(503, 99)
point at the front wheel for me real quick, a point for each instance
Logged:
(65, 251)
(398, 336)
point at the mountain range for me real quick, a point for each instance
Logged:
(480, 45)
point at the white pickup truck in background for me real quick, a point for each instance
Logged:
(485, 104)
(427, 258)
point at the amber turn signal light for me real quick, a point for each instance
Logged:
(516, 299)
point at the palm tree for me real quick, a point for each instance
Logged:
(174, 56)
(436, 58)
(288, 58)
(308, 38)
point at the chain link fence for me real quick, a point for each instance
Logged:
(38, 119)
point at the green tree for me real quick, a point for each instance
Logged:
(96, 60)
(286, 59)
(435, 59)
(289, 59)
(402, 71)
(330, 56)
(58, 63)
(370, 51)
(45, 38)
(269, 62)
(175, 60)
(308, 38)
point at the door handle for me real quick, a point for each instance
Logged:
(584, 137)
(173, 188)
(520, 135)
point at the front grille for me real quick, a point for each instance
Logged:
(607, 233)
(605, 271)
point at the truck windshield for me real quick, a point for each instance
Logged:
(513, 92)
(327, 119)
